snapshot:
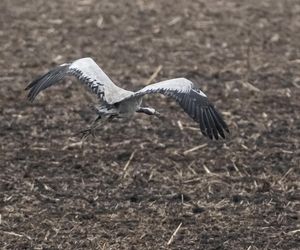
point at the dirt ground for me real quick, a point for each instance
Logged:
(136, 182)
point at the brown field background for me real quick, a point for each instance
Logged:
(136, 182)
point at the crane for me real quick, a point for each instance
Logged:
(116, 102)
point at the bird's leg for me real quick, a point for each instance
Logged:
(148, 111)
(91, 130)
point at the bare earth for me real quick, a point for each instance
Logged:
(136, 182)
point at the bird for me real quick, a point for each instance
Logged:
(116, 102)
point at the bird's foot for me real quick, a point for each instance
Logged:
(85, 133)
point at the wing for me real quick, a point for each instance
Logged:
(88, 73)
(193, 101)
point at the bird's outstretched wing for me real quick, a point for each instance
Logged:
(88, 73)
(193, 101)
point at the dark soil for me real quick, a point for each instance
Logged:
(238, 193)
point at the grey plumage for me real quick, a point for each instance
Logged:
(88, 73)
(118, 102)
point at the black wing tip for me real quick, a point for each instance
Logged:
(31, 87)
(212, 125)
(34, 82)
(44, 81)
(30, 97)
(216, 137)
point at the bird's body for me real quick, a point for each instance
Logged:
(116, 102)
